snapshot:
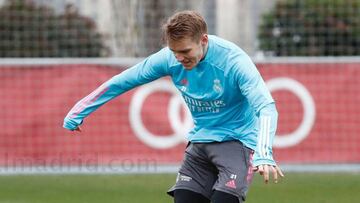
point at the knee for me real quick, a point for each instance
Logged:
(221, 197)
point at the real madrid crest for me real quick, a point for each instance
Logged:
(217, 86)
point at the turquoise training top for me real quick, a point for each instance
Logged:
(226, 95)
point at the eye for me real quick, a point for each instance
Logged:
(184, 52)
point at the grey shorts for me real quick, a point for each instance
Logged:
(222, 166)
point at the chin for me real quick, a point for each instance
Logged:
(188, 67)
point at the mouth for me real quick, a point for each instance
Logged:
(186, 63)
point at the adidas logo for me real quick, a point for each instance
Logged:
(231, 184)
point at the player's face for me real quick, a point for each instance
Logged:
(188, 51)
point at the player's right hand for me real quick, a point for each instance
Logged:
(78, 129)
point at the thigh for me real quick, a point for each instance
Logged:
(187, 196)
(233, 161)
(196, 173)
(221, 197)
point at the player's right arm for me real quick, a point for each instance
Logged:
(152, 68)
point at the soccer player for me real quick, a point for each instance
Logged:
(234, 115)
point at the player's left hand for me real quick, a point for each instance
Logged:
(265, 170)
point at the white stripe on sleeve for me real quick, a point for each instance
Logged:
(264, 136)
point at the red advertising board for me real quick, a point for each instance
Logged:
(318, 106)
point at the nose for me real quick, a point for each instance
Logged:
(179, 57)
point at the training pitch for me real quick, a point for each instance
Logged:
(295, 187)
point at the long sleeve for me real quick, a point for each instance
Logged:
(267, 127)
(146, 71)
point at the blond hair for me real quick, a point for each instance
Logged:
(184, 24)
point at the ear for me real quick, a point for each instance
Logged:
(204, 39)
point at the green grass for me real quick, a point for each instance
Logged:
(296, 187)
(308, 188)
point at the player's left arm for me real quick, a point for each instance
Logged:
(263, 159)
(254, 89)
